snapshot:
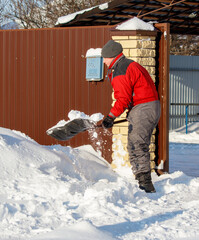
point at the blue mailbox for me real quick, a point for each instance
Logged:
(94, 68)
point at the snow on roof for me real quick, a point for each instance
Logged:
(70, 17)
(135, 24)
(131, 24)
(103, 6)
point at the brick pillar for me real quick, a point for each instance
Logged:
(139, 46)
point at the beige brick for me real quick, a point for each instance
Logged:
(125, 146)
(142, 37)
(153, 138)
(127, 154)
(153, 166)
(123, 115)
(124, 139)
(115, 130)
(127, 163)
(126, 52)
(154, 131)
(153, 77)
(113, 165)
(148, 44)
(118, 155)
(113, 103)
(152, 147)
(123, 130)
(151, 70)
(113, 96)
(123, 124)
(142, 52)
(145, 61)
(116, 137)
(115, 147)
(131, 44)
(117, 38)
(126, 157)
(152, 156)
(113, 155)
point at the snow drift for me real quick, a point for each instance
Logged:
(62, 193)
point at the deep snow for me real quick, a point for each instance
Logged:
(64, 193)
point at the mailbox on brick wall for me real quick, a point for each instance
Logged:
(94, 65)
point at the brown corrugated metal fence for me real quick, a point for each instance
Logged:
(42, 78)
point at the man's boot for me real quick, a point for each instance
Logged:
(145, 183)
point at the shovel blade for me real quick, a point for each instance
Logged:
(70, 129)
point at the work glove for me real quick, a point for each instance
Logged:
(108, 122)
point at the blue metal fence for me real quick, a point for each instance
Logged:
(188, 118)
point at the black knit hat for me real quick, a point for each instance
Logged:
(111, 49)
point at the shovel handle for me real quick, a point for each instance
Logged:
(115, 122)
(120, 121)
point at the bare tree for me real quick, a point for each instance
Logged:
(3, 4)
(44, 13)
(184, 45)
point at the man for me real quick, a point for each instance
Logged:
(133, 90)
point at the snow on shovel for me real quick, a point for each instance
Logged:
(72, 128)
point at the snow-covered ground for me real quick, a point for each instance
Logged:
(62, 193)
(184, 150)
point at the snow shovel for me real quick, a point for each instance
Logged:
(72, 128)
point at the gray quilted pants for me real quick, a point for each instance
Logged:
(142, 118)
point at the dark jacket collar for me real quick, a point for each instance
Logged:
(116, 60)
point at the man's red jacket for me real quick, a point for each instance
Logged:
(131, 83)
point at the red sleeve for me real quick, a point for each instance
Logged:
(122, 93)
